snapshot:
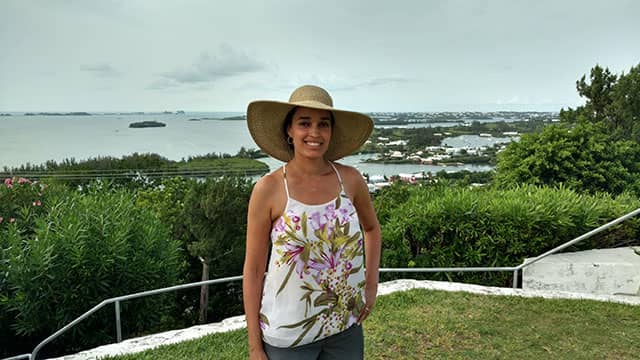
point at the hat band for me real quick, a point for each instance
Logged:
(312, 104)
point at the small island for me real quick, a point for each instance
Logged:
(146, 124)
(75, 113)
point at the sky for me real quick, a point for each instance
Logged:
(371, 55)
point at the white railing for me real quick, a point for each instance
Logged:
(116, 300)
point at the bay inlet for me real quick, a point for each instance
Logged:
(36, 139)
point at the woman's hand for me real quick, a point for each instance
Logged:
(258, 355)
(370, 293)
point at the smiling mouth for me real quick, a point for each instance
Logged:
(313, 143)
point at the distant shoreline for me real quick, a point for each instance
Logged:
(76, 113)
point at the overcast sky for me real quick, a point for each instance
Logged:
(372, 55)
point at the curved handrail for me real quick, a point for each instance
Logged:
(515, 269)
(116, 300)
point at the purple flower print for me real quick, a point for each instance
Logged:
(318, 222)
(344, 216)
(329, 260)
(293, 253)
(279, 227)
(263, 326)
(330, 212)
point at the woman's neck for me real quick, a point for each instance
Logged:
(308, 167)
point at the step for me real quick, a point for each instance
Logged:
(600, 271)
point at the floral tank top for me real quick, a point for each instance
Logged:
(314, 286)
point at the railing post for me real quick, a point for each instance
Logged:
(118, 327)
(515, 278)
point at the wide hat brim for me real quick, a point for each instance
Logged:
(265, 120)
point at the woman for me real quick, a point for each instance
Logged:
(323, 231)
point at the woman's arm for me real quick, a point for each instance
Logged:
(372, 237)
(258, 228)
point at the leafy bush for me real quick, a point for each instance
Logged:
(209, 219)
(215, 216)
(20, 202)
(86, 248)
(450, 227)
(583, 157)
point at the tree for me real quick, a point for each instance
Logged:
(598, 92)
(584, 157)
(594, 149)
(611, 100)
(215, 215)
(625, 105)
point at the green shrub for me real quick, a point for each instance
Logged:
(215, 216)
(209, 219)
(463, 227)
(21, 202)
(85, 249)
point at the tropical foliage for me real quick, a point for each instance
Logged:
(594, 149)
(441, 226)
(82, 249)
(583, 157)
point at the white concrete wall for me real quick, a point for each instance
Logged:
(602, 271)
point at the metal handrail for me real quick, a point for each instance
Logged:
(117, 300)
(17, 357)
(580, 238)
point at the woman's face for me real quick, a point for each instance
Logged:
(310, 130)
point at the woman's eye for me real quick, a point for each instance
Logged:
(324, 124)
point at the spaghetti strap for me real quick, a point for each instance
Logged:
(339, 177)
(284, 176)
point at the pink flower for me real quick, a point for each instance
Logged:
(12, 220)
(8, 182)
(1, 218)
(23, 181)
(329, 260)
(293, 253)
(37, 203)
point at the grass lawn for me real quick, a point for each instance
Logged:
(426, 324)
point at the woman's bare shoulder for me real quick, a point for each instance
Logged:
(269, 183)
(269, 194)
(352, 179)
(349, 173)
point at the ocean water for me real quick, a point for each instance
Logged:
(37, 139)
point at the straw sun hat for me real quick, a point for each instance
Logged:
(265, 119)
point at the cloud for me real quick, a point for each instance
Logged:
(374, 82)
(336, 83)
(101, 70)
(224, 63)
